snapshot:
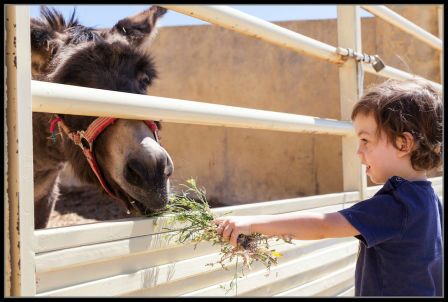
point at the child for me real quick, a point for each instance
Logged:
(399, 126)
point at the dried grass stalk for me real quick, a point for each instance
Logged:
(191, 209)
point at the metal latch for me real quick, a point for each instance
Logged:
(374, 60)
(377, 64)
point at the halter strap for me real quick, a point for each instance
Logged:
(85, 140)
(154, 129)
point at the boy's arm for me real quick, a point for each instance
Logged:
(302, 226)
(305, 226)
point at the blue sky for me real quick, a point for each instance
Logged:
(107, 15)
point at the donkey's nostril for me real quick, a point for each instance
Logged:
(168, 171)
(135, 172)
(169, 168)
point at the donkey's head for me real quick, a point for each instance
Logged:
(134, 166)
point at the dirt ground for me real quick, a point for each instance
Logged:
(80, 203)
(84, 204)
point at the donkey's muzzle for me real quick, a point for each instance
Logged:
(147, 175)
(140, 173)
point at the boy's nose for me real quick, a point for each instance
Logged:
(359, 151)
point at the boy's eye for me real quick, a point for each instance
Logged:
(363, 140)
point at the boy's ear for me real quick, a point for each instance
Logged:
(405, 143)
(140, 29)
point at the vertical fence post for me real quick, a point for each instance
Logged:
(440, 19)
(19, 195)
(350, 89)
(7, 275)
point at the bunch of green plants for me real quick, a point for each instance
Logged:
(191, 209)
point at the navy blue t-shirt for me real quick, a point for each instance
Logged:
(400, 247)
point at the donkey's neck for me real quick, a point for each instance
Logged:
(48, 156)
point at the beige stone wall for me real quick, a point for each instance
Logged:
(210, 64)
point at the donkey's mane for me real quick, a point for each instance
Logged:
(56, 21)
(77, 33)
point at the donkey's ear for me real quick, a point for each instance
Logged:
(45, 36)
(43, 45)
(140, 28)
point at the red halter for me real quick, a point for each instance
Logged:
(85, 140)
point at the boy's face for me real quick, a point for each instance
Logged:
(375, 152)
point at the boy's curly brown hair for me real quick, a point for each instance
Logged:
(413, 106)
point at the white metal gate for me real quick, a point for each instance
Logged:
(131, 256)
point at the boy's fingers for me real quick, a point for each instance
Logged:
(221, 227)
(220, 220)
(219, 230)
(227, 232)
(234, 239)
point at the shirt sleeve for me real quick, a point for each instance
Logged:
(377, 219)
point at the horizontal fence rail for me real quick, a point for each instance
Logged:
(394, 73)
(82, 235)
(395, 19)
(133, 264)
(76, 236)
(147, 265)
(251, 26)
(132, 258)
(182, 272)
(67, 99)
(154, 243)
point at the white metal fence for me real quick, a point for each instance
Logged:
(132, 256)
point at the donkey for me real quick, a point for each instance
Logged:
(121, 157)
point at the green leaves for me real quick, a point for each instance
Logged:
(191, 209)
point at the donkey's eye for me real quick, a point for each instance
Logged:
(54, 50)
(145, 80)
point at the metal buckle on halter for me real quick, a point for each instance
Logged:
(82, 141)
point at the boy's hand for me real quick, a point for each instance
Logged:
(231, 227)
